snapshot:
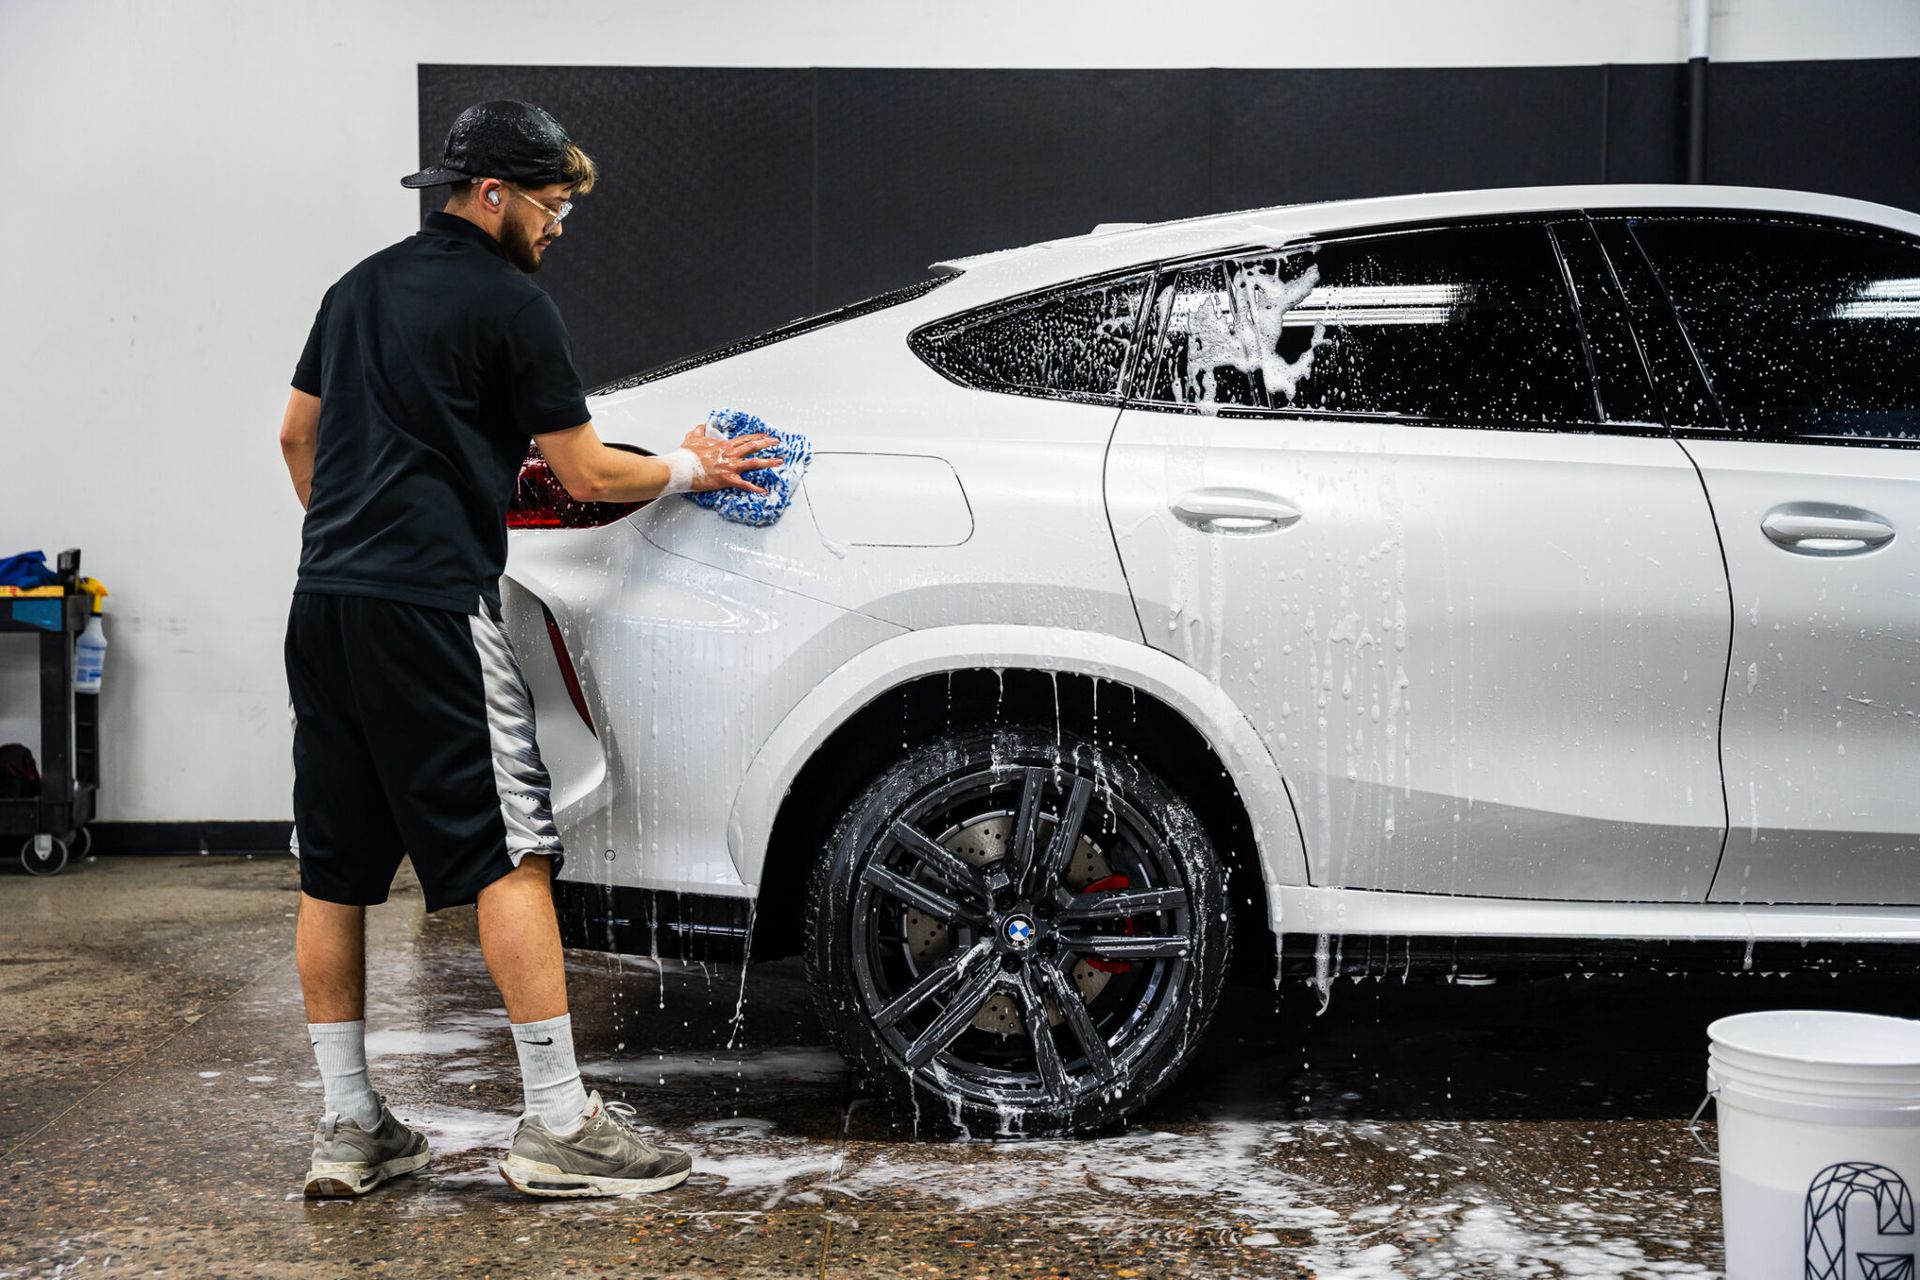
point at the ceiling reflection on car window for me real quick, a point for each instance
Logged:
(1804, 330)
(1453, 323)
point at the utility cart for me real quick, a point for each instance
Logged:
(55, 822)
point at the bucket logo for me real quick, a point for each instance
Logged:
(1834, 1187)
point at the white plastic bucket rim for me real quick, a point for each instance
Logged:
(1850, 1111)
(1818, 1066)
(1844, 1114)
(1822, 1037)
(1791, 1082)
(1895, 1074)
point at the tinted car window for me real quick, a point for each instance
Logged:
(1072, 343)
(1803, 330)
(1463, 323)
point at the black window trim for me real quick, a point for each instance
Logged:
(1579, 319)
(1618, 292)
(1719, 428)
(1598, 425)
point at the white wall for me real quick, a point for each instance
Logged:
(184, 179)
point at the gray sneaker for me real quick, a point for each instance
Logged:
(604, 1157)
(349, 1161)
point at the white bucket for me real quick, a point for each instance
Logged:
(1819, 1143)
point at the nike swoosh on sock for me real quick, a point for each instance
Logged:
(548, 1040)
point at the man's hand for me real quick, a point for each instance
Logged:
(719, 462)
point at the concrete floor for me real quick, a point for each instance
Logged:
(157, 1096)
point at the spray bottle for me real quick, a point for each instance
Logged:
(90, 648)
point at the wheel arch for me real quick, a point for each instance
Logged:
(909, 687)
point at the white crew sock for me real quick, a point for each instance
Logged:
(548, 1075)
(341, 1050)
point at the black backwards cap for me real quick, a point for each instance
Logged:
(501, 139)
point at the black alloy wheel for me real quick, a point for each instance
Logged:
(1017, 932)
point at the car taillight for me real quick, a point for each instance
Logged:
(567, 673)
(540, 501)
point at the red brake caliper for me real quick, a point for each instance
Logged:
(1111, 884)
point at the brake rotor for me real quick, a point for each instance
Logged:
(980, 843)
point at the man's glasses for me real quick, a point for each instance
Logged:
(554, 216)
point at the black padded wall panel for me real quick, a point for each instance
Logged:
(1644, 130)
(980, 160)
(1849, 127)
(1322, 135)
(736, 198)
(701, 227)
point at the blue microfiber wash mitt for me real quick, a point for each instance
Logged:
(740, 505)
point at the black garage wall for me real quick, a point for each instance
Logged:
(735, 198)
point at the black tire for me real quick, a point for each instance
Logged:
(83, 843)
(52, 865)
(933, 960)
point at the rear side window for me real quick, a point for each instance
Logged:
(1803, 330)
(1465, 324)
(1070, 343)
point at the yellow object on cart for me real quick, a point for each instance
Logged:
(91, 586)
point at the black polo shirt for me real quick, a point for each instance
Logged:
(434, 361)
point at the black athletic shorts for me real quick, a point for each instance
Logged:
(412, 736)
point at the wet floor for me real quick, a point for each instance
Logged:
(157, 1096)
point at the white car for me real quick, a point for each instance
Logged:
(1497, 576)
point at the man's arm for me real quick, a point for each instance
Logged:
(591, 472)
(299, 436)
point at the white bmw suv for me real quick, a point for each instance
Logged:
(1496, 577)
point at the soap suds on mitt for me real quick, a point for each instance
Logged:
(743, 506)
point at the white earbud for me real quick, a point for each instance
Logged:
(493, 198)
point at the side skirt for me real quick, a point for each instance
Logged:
(652, 922)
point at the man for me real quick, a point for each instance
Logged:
(429, 367)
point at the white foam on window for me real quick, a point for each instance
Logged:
(1241, 329)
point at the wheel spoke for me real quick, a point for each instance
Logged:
(919, 896)
(975, 990)
(1073, 1011)
(1121, 904)
(941, 861)
(1026, 825)
(1046, 1054)
(933, 981)
(1066, 834)
(1122, 946)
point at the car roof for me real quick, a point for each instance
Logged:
(1117, 245)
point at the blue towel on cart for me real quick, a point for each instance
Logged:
(740, 505)
(29, 569)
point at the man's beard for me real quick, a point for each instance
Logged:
(519, 247)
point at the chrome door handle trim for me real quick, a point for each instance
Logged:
(1825, 529)
(1227, 510)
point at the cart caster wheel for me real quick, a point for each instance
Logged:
(83, 839)
(49, 862)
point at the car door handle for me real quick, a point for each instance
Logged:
(1825, 529)
(1223, 510)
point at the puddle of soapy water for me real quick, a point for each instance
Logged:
(1222, 1174)
(442, 1033)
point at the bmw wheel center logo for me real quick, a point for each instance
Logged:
(1018, 932)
